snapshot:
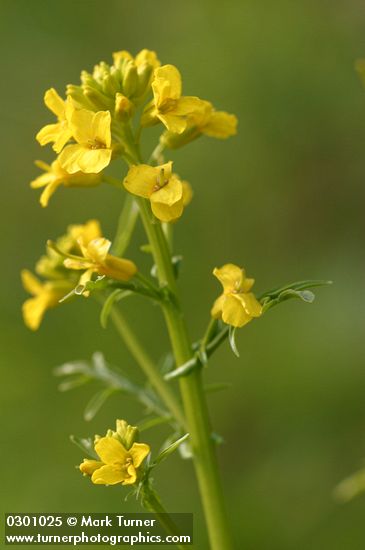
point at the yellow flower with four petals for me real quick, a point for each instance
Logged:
(97, 260)
(167, 193)
(93, 150)
(54, 176)
(205, 121)
(45, 296)
(169, 106)
(117, 464)
(237, 305)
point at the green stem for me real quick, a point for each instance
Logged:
(135, 348)
(153, 503)
(192, 391)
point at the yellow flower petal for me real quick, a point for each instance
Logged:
(247, 284)
(50, 189)
(94, 160)
(233, 312)
(108, 474)
(49, 133)
(170, 193)
(63, 137)
(110, 450)
(166, 84)
(174, 123)
(88, 126)
(88, 231)
(216, 311)
(75, 158)
(54, 102)
(167, 213)
(101, 132)
(42, 181)
(117, 268)
(250, 304)
(71, 263)
(138, 452)
(31, 283)
(187, 193)
(131, 476)
(167, 203)
(220, 125)
(188, 105)
(141, 180)
(34, 310)
(231, 277)
(88, 467)
(96, 250)
(81, 124)
(70, 157)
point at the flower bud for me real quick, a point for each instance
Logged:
(123, 107)
(99, 100)
(127, 434)
(145, 73)
(130, 79)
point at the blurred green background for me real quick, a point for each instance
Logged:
(285, 198)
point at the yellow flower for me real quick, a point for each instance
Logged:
(92, 152)
(207, 121)
(55, 176)
(117, 464)
(97, 260)
(59, 133)
(169, 106)
(237, 305)
(45, 296)
(167, 193)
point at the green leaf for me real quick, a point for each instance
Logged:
(72, 383)
(72, 367)
(114, 297)
(184, 369)
(86, 445)
(126, 225)
(305, 295)
(96, 402)
(299, 290)
(170, 449)
(232, 340)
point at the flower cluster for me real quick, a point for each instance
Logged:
(81, 248)
(101, 120)
(96, 124)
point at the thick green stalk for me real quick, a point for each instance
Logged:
(192, 391)
(135, 348)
